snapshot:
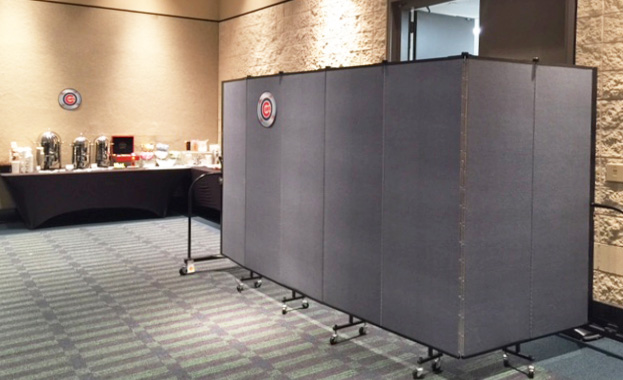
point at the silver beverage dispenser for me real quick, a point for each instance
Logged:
(50, 151)
(102, 151)
(80, 152)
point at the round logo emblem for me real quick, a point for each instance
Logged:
(267, 110)
(69, 99)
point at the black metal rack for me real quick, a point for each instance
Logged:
(189, 261)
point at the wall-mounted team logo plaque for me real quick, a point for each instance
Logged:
(267, 109)
(69, 99)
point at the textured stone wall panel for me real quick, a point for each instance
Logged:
(590, 8)
(611, 85)
(588, 55)
(303, 35)
(611, 6)
(612, 56)
(608, 288)
(589, 30)
(608, 229)
(599, 43)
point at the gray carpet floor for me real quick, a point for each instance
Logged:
(106, 301)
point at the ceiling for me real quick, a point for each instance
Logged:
(460, 8)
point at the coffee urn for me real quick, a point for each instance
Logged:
(80, 152)
(102, 151)
(51, 150)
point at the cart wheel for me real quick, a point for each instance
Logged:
(183, 271)
(531, 371)
(505, 360)
(436, 366)
(284, 309)
(257, 284)
(418, 373)
(363, 330)
(333, 339)
(305, 304)
(240, 288)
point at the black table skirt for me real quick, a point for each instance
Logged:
(42, 196)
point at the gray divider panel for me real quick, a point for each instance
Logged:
(497, 235)
(357, 196)
(353, 177)
(561, 198)
(234, 122)
(301, 117)
(263, 187)
(421, 202)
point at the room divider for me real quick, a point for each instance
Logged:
(447, 200)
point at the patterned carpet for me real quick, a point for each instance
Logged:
(105, 301)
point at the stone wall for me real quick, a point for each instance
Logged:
(599, 43)
(303, 35)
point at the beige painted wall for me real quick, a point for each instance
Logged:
(599, 43)
(149, 76)
(204, 9)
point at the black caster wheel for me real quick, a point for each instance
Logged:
(305, 304)
(257, 284)
(505, 360)
(240, 288)
(284, 310)
(418, 373)
(183, 271)
(531, 371)
(363, 330)
(436, 366)
(333, 339)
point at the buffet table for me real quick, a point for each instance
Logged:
(42, 196)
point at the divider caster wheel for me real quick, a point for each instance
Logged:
(257, 284)
(305, 304)
(505, 360)
(418, 373)
(284, 309)
(240, 288)
(183, 271)
(436, 366)
(333, 339)
(363, 330)
(531, 371)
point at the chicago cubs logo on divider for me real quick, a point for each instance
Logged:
(267, 109)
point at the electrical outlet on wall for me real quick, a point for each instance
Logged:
(614, 172)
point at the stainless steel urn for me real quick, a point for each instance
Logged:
(80, 152)
(102, 151)
(51, 146)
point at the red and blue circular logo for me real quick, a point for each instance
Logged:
(267, 109)
(69, 99)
